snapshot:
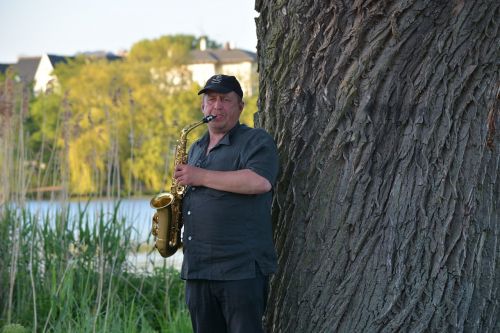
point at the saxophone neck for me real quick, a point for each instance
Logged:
(181, 155)
(191, 127)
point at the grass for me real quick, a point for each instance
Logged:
(70, 274)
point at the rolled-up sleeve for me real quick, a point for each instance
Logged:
(261, 155)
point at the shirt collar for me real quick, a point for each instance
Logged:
(226, 139)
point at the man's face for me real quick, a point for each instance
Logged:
(227, 108)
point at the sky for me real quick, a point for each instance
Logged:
(67, 27)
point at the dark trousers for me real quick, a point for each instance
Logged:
(235, 306)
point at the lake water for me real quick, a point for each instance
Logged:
(137, 213)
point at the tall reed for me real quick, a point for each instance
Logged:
(72, 275)
(69, 273)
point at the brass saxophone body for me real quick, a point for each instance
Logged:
(167, 220)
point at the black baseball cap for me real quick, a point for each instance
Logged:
(222, 84)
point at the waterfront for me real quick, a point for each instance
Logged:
(136, 213)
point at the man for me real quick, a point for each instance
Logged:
(228, 248)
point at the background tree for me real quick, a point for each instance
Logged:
(167, 50)
(43, 127)
(126, 116)
(14, 165)
(386, 214)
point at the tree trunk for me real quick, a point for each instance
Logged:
(386, 213)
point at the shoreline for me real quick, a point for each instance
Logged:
(142, 262)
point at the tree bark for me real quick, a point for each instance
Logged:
(386, 213)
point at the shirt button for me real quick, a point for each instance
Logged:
(189, 238)
(189, 212)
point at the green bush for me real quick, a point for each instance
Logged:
(14, 328)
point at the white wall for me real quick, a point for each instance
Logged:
(200, 73)
(43, 75)
(243, 71)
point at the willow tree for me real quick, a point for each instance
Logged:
(386, 215)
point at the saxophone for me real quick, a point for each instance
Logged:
(167, 220)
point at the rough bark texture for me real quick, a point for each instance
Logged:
(386, 214)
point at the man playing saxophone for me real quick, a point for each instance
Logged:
(227, 241)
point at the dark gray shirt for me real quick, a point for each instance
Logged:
(227, 234)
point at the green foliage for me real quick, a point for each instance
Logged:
(127, 115)
(167, 50)
(249, 111)
(42, 124)
(211, 44)
(114, 125)
(71, 275)
(14, 328)
(14, 109)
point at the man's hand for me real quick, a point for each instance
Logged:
(243, 181)
(189, 175)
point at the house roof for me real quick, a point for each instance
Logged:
(26, 68)
(221, 56)
(3, 68)
(55, 59)
(100, 55)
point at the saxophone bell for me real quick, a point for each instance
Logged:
(162, 221)
(161, 200)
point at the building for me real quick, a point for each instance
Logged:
(4, 67)
(39, 70)
(44, 78)
(204, 63)
(25, 68)
(201, 65)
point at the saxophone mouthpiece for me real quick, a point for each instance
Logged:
(209, 118)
